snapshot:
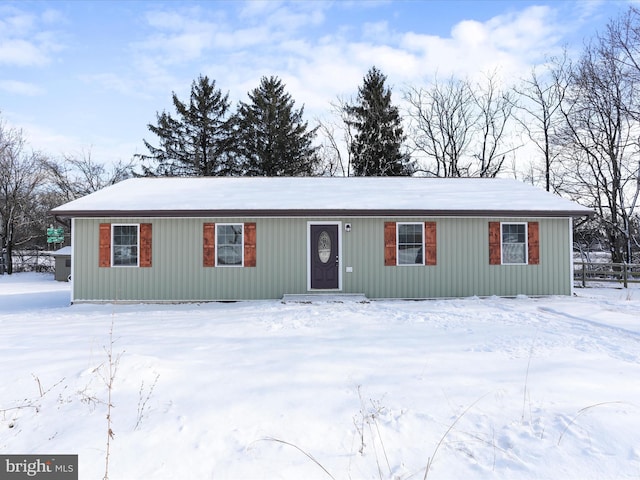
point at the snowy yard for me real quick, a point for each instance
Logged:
(527, 388)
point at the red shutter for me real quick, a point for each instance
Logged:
(495, 254)
(389, 244)
(431, 256)
(533, 234)
(249, 244)
(145, 244)
(104, 247)
(209, 245)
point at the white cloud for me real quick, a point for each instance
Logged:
(113, 82)
(321, 50)
(22, 53)
(191, 35)
(178, 38)
(510, 43)
(23, 42)
(284, 16)
(53, 17)
(318, 71)
(20, 88)
(377, 32)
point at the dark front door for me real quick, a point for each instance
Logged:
(324, 256)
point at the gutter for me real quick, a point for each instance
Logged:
(62, 214)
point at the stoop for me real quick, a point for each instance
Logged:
(325, 298)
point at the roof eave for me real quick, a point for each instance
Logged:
(319, 213)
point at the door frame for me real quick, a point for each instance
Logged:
(329, 222)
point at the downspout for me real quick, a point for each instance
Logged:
(571, 264)
(73, 256)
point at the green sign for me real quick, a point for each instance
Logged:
(55, 235)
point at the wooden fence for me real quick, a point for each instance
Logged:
(624, 273)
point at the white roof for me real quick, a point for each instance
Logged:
(62, 251)
(317, 195)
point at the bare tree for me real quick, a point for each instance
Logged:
(625, 35)
(441, 117)
(494, 107)
(600, 137)
(541, 96)
(336, 140)
(72, 177)
(20, 178)
(459, 127)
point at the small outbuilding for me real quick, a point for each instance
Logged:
(62, 264)
(239, 238)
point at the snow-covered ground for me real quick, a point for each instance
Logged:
(527, 388)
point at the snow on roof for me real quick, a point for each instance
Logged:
(299, 195)
(62, 251)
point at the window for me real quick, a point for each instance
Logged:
(410, 244)
(125, 245)
(229, 244)
(514, 243)
(226, 244)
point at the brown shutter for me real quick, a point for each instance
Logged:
(104, 249)
(145, 244)
(389, 244)
(533, 234)
(209, 245)
(495, 254)
(249, 244)
(431, 256)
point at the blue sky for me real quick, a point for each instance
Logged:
(81, 76)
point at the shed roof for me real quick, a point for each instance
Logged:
(62, 251)
(313, 196)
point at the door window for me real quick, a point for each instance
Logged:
(324, 247)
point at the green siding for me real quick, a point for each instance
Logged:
(177, 273)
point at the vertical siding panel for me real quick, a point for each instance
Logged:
(476, 259)
(185, 258)
(450, 260)
(465, 271)
(455, 261)
(464, 267)
(177, 274)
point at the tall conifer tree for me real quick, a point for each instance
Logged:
(271, 138)
(196, 142)
(377, 148)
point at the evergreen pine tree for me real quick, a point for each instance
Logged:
(196, 142)
(377, 147)
(271, 138)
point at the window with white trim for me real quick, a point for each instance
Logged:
(125, 244)
(410, 243)
(229, 244)
(514, 243)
